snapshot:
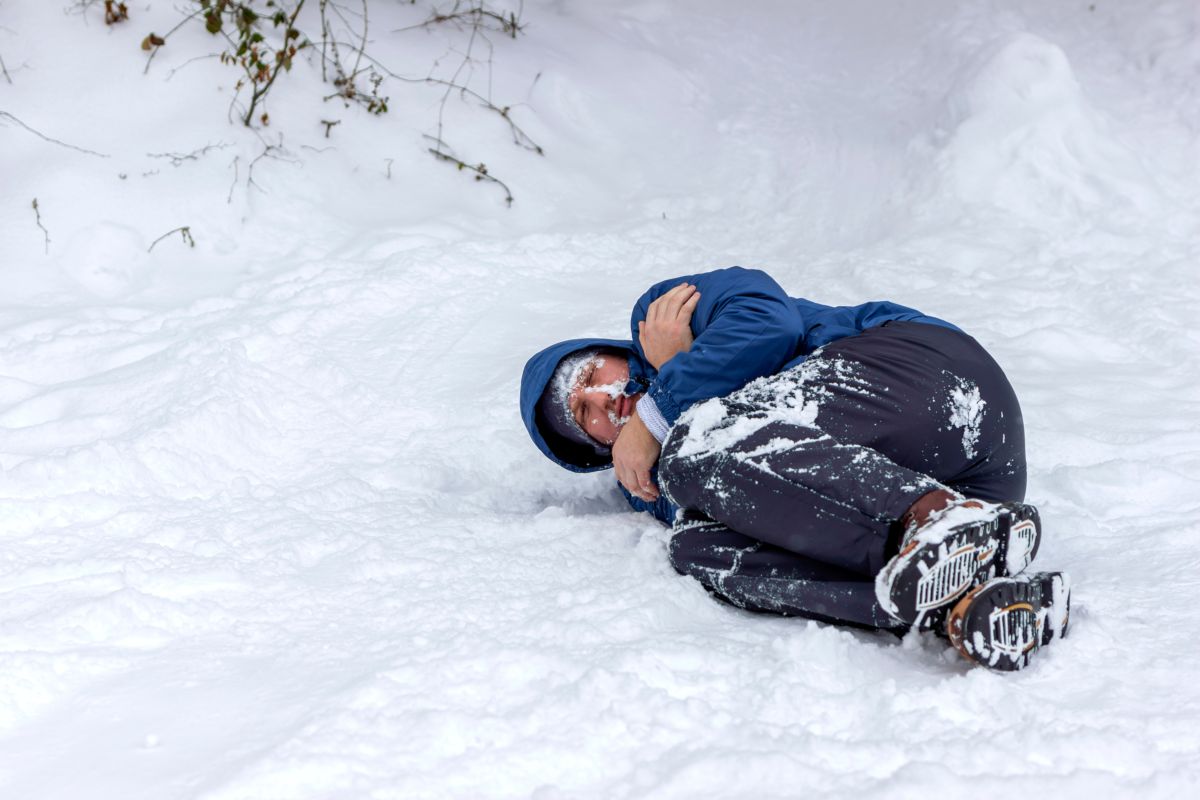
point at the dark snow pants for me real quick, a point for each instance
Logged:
(791, 487)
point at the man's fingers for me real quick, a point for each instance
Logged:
(637, 491)
(623, 477)
(690, 305)
(676, 298)
(647, 486)
(636, 483)
(658, 307)
(629, 480)
(667, 306)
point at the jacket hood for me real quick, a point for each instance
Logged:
(538, 371)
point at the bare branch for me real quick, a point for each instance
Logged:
(40, 135)
(45, 233)
(233, 184)
(80, 7)
(269, 151)
(171, 73)
(345, 81)
(520, 138)
(257, 92)
(358, 59)
(480, 170)
(163, 39)
(476, 17)
(179, 158)
(185, 230)
(272, 151)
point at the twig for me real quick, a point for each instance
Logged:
(233, 185)
(331, 57)
(389, 167)
(268, 152)
(187, 237)
(38, 216)
(173, 70)
(4, 69)
(43, 136)
(258, 93)
(167, 35)
(327, 42)
(329, 123)
(179, 158)
(359, 55)
(453, 82)
(519, 136)
(81, 7)
(510, 25)
(480, 170)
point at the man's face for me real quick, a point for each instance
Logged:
(596, 401)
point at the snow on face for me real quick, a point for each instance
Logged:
(614, 391)
(597, 400)
(566, 380)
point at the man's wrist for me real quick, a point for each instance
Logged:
(652, 418)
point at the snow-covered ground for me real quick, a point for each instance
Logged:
(270, 526)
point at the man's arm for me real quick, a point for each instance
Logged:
(744, 327)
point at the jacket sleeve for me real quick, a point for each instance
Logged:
(662, 508)
(745, 326)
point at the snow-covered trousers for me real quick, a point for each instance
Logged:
(791, 486)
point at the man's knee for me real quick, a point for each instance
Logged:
(681, 552)
(700, 545)
(671, 475)
(690, 450)
(678, 467)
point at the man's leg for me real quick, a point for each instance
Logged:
(790, 485)
(934, 401)
(757, 576)
(821, 461)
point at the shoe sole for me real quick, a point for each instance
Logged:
(1003, 623)
(931, 574)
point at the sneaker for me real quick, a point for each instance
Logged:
(1002, 623)
(960, 547)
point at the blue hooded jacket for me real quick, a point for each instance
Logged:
(744, 327)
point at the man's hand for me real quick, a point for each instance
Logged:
(667, 330)
(634, 453)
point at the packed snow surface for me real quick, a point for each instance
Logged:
(270, 526)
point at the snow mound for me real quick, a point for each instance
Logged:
(1023, 138)
(107, 259)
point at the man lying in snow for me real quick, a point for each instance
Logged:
(862, 465)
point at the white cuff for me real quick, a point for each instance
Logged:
(652, 418)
